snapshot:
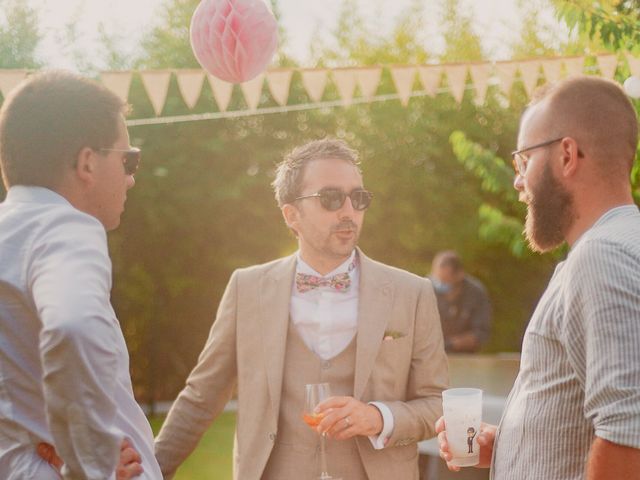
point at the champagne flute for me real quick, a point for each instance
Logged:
(315, 394)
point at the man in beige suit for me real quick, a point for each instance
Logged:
(328, 313)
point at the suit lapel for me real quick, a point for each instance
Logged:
(275, 297)
(374, 308)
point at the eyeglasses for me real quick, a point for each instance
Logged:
(130, 159)
(520, 161)
(332, 199)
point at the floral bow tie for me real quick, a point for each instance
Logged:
(340, 282)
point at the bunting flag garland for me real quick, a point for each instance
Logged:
(403, 78)
(348, 80)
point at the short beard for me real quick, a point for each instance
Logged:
(550, 213)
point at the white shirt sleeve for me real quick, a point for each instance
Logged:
(380, 440)
(70, 280)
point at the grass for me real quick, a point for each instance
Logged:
(212, 459)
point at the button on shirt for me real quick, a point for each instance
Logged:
(327, 321)
(60, 340)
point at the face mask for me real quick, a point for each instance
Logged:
(440, 287)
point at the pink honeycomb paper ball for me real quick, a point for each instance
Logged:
(234, 40)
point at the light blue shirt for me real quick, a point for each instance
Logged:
(64, 366)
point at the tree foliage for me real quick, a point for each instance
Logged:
(20, 35)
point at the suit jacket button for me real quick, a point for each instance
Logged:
(272, 437)
(326, 365)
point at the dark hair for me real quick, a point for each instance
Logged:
(47, 120)
(448, 259)
(289, 173)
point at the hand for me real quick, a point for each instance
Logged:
(47, 452)
(128, 465)
(486, 438)
(346, 417)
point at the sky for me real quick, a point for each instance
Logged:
(496, 20)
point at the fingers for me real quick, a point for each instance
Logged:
(332, 402)
(48, 453)
(126, 472)
(129, 463)
(440, 425)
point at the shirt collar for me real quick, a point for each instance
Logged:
(609, 215)
(303, 267)
(31, 194)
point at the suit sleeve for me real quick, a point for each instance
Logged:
(414, 419)
(207, 390)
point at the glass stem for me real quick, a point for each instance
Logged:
(323, 458)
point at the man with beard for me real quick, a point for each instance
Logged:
(574, 411)
(326, 314)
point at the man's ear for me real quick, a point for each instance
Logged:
(570, 157)
(291, 214)
(86, 164)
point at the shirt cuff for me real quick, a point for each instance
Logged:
(379, 441)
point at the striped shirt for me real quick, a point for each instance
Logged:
(580, 368)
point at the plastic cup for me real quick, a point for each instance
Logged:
(463, 415)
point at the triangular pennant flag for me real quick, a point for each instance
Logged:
(430, 77)
(368, 80)
(345, 80)
(403, 78)
(608, 65)
(10, 79)
(529, 72)
(634, 65)
(118, 83)
(279, 82)
(457, 77)
(574, 66)
(221, 92)
(252, 91)
(506, 73)
(314, 82)
(156, 83)
(552, 69)
(480, 74)
(190, 85)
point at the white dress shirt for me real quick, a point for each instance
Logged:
(327, 321)
(64, 366)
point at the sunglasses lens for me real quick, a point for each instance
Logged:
(360, 199)
(332, 200)
(132, 161)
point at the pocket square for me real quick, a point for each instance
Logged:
(392, 335)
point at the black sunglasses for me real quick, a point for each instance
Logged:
(332, 199)
(130, 159)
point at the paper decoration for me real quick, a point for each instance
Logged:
(156, 83)
(552, 69)
(252, 91)
(480, 74)
(10, 79)
(506, 74)
(233, 40)
(574, 66)
(403, 79)
(221, 92)
(314, 82)
(345, 80)
(279, 82)
(190, 85)
(368, 80)
(457, 77)
(118, 83)
(529, 72)
(430, 77)
(608, 65)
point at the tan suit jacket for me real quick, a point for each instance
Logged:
(247, 346)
